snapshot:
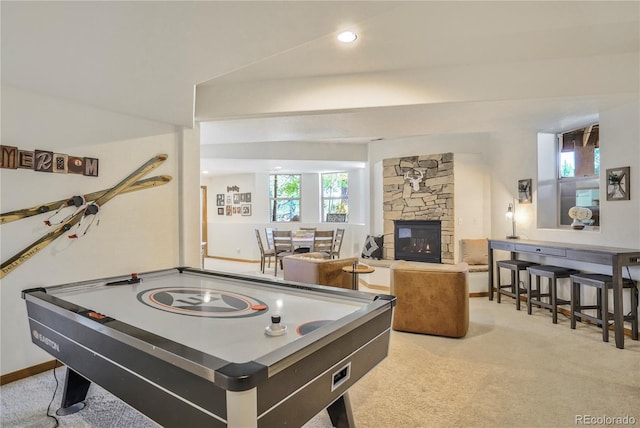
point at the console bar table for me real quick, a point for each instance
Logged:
(610, 256)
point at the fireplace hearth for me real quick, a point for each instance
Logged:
(418, 240)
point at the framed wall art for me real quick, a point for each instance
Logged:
(618, 184)
(246, 209)
(524, 191)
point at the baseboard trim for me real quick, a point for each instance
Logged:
(230, 259)
(29, 371)
(479, 294)
(373, 286)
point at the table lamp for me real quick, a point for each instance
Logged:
(511, 215)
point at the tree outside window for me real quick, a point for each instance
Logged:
(284, 197)
(335, 197)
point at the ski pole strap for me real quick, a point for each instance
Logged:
(89, 216)
(76, 201)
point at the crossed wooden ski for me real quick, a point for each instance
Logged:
(10, 216)
(24, 255)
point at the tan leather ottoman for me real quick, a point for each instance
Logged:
(431, 298)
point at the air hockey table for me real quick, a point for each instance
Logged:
(190, 347)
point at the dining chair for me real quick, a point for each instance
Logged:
(309, 233)
(265, 253)
(283, 246)
(337, 244)
(323, 242)
(268, 232)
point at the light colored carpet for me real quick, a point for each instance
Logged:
(511, 370)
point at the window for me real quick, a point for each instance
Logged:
(335, 197)
(578, 174)
(284, 197)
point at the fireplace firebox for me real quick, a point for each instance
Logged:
(418, 240)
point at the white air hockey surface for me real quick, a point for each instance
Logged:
(210, 314)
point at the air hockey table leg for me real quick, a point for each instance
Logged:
(75, 392)
(340, 412)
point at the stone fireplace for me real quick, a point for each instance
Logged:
(419, 188)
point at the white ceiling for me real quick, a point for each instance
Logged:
(269, 72)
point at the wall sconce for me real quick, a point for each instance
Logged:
(511, 215)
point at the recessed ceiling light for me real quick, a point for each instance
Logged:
(347, 37)
(205, 172)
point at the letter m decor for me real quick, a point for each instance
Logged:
(8, 157)
(91, 167)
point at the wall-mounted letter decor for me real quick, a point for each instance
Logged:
(46, 161)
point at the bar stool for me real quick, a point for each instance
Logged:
(603, 283)
(553, 273)
(513, 289)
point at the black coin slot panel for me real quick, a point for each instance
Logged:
(341, 376)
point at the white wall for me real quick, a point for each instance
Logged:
(189, 197)
(512, 157)
(234, 236)
(472, 197)
(546, 188)
(619, 133)
(137, 232)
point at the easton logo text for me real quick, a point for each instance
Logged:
(45, 340)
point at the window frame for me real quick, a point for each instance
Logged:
(576, 180)
(323, 198)
(276, 198)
